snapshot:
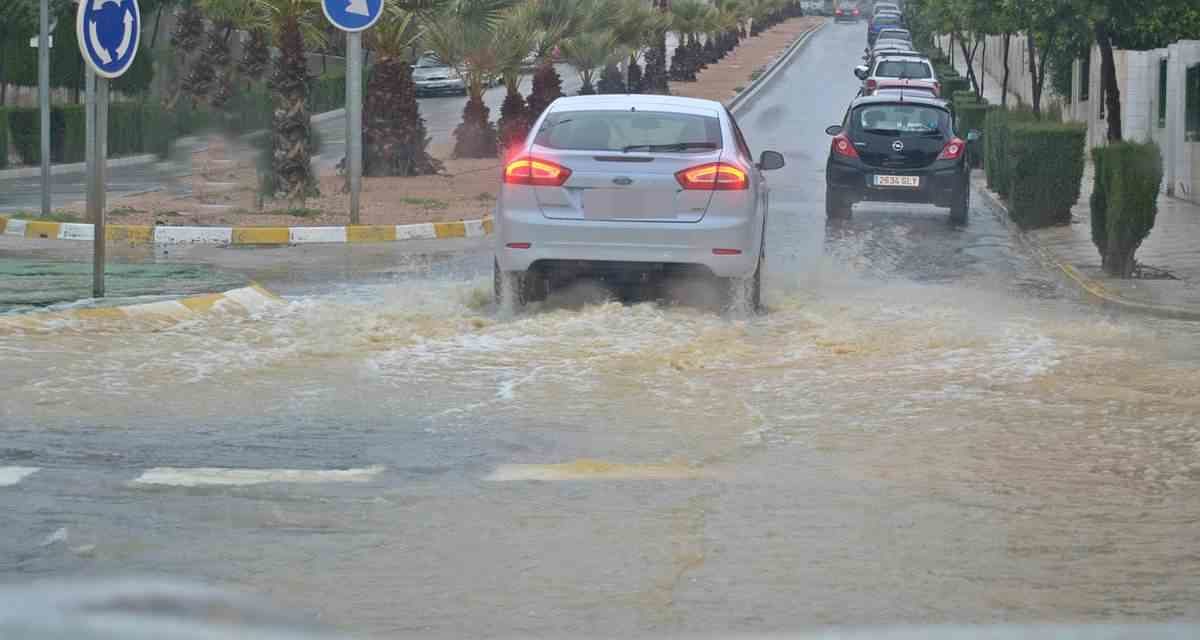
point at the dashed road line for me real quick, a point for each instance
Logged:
(234, 477)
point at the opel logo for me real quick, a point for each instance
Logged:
(623, 181)
(897, 146)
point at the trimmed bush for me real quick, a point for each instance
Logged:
(3, 137)
(75, 132)
(970, 116)
(327, 93)
(950, 86)
(1098, 201)
(1045, 169)
(995, 146)
(1132, 176)
(24, 126)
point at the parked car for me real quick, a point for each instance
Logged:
(630, 189)
(896, 67)
(898, 149)
(434, 77)
(881, 22)
(847, 13)
(894, 33)
(913, 87)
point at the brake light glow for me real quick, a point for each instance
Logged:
(535, 172)
(872, 85)
(839, 12)
(953, 149)
(518, 245)
(856, 12)
(727, 252)
(937, 89)
(843, 147)
(714, 176)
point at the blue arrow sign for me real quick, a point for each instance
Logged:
(352, 15)
(108, 33)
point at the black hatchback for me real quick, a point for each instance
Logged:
(898, 149)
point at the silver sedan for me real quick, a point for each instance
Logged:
(631, 188)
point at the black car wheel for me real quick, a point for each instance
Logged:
(522, 287)
(836, 206)
(962, 204)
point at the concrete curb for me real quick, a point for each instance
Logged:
(1093, 288)
(246, 300)
(225, 236)
(756, 85)
(76, 167)
(128, 161)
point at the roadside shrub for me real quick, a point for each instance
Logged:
(24, 127)
(1045, 170)
(1132, 176)
(75, 132)
(1098, 202)
(953, 85)
(3, 138)
(995, 146)
(327, 93)
(970, 116)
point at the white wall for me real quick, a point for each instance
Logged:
(1180, 157)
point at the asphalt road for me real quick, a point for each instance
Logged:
(924, 428)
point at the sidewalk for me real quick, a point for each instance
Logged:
(1173, 246)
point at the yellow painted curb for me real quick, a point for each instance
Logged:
(371, 233)
(42, 229)
(261, 235)
(131, 233)
(450, 229)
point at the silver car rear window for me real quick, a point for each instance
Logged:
(619, 130)
(903, 69)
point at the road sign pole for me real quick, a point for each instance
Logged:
(44, 99)
(97, 151)
(354, 99)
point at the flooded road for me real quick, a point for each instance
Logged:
(925, 427)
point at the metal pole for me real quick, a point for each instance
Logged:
(354, 99)
(97, 163)
(44, 99)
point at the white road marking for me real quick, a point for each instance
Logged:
(225, 477)
(10, 476)
(303, 235)
(420, 231)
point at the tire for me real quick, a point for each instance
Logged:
(836, 207)
(524, 287)
(962, 204)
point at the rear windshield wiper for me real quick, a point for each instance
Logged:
(889, 132)
(675, 146)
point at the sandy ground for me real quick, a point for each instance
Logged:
(222, 189)
(723, 81)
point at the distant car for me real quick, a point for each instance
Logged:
(847, 13)
(881, 22)
(914, 87)
(631, 189)
(894, 33)
(881, 7)
(812, 7)
(898, 149)
(898, 67)
(433, 77)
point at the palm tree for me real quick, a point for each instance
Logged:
(293, 22)
(517, 36)
(636, 26)
(593, 42)
(394, 138)
(687, 19)
(213, 77)
(186, 40)
(463, 35)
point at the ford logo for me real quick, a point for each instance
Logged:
(623, 181)
(897, 146)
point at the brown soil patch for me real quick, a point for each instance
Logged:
(222, 189)
(723, 81)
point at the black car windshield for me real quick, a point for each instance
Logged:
(899, 119)
(630, 130)
(912, 70)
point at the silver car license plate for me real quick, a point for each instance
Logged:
(898, 181)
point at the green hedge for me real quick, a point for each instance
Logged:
(75, 132)
(327, 93)
(1128, 178)
(995, 146)
(3, 137)
(24, 130)
(1045, 169)
(970, 116)
(950, 86)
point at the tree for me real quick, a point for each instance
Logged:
(186, 40)
(516, 37)
(463, 34)
(395, 142)
(636, 27)
(292, 23)
(688, 18)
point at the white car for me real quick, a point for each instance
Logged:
(629, 188)
(433, 77)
